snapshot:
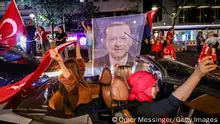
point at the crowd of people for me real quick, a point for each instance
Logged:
(160, 47)
(208, 46)
(39, 33)
(74, 91)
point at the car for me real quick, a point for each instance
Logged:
(31, 104)
(15, 64)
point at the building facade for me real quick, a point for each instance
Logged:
(190, 21)
(24, 10)
(118, 7)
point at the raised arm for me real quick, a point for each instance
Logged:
(83, 24)
(164, 107)
(205, 66)
(78, 53)
(56, 56)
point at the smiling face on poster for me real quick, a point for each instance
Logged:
(117, 40)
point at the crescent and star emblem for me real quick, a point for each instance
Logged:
(14, 27)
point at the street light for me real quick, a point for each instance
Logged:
(32, 15)
(154, 7)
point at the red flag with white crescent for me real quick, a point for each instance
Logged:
(9, 91)
(11, 25)
(150, 15)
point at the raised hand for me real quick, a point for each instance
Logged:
(206, 65)
(55, 55)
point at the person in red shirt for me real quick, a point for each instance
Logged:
(156, 48)
(42, 34)
(208, 50)
(168, 50)
(170, 35)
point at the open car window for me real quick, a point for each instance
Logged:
(146, 64)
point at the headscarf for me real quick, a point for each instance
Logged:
(141, 86)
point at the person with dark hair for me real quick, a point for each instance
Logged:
(74, 90)
(60, 38)
(31, 43)
(89, 37)
(170, 35)
(156, 48)
(168, 51)
(199, 39)
(42, 34)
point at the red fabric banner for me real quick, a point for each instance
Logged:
(9, 91)
(11, 26)
(150, 15)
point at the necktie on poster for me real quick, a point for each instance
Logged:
(9, 91)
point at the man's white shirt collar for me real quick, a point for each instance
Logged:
(113, 62)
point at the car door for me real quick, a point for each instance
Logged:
(13, 66)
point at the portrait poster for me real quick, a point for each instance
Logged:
(117, 40)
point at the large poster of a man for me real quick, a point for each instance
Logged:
(117, 40)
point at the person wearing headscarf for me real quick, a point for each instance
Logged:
(144, 88)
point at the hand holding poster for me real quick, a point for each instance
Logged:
(117, 40)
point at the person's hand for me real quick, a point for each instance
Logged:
(55, 55)
(75, 42)
(146, 41)
(206, 65)
(82, 22)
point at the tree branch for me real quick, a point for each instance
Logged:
(178, 12)
(160, 4)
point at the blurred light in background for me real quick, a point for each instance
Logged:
(82, 41)
(53, 74)
(32, 15)
(22, 41)
(71, 38)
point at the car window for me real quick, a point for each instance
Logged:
(145, 64)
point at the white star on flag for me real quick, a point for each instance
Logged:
(16, 87)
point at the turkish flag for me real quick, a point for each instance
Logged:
(9, 91)
(11, 26)
(150, 15)
(206, 51)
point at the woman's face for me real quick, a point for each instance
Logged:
(89, 28)
(154, 91)
(39, 29)
(60, 30)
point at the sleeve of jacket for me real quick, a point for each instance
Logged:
(159, 108)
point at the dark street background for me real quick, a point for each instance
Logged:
(188, 57)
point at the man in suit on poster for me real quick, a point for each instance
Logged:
(117, 41)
